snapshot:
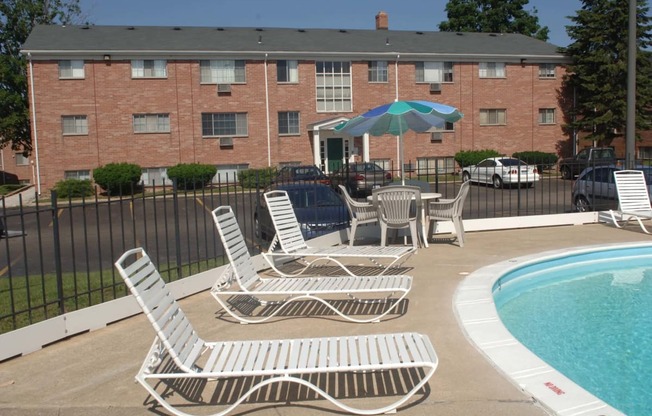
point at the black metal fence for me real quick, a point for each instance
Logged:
(58, 254)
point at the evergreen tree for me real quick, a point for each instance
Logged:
(597, 76)
(493, 16)
(17, 18)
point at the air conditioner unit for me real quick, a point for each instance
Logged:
(223, 88)
(226, 142)
(436, 137)
(435, 87)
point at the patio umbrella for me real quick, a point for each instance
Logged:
(398, 117)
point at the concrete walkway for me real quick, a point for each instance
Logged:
(93, 373)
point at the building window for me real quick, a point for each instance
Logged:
(493, 117)
(71, 69)
(434, 71)
(223, 124)
(229, 173)
(492, 70)
(288, 122)
(149, 68)
(377, 71)
(151, 123)
(74, 125)
(77, 174)
(287, 71)
(222, 71)
(546, 116)
(645, 152)
(333, 86)
(21, 159)
(547, 71)
(154, 176)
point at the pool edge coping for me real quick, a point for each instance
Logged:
(476, 314)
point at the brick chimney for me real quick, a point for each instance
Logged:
(382, 21)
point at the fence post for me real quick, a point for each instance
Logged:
(57, 251)
(177, 231)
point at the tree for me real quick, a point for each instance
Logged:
(17, 18)
(597, 76)
(493, 16)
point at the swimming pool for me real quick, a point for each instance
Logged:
(607, 291)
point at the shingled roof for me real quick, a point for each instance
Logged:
(50, 41)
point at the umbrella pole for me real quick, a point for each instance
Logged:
(400, 147)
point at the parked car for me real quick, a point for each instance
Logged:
(319, 210)
(309, 173)
(595, 188)
(570, 167)
(501, 171)
(361, 178)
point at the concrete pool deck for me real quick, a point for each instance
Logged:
(93, 373)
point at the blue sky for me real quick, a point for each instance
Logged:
(424, 15)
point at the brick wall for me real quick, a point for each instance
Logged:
(108, 96)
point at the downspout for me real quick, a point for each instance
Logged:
(396, 76)
(33, 105)
(269, 139)
(399, 147)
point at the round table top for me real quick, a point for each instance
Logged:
(424, 196)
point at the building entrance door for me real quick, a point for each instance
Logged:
(335, 153)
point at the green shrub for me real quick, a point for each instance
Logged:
(541, 159)
(473, 157)
(117, 178)
(191, 175)
(73, 188)
(252, 178)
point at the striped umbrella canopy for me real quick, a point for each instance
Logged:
(398, 117)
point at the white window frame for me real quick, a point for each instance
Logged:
(547, 71)
(491, 70)
(493, 117)
(220, 124)
(21, 159)
(433, 72)
(71, 69)
(333, 86)
(74, 125)
(222, 71)
(291, 120)
(378, 73)
(149, 68)
(151, 123)
(81, 174)
(547, 116)
(287, 71)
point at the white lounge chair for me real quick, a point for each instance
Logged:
(180, 360)
(633, 198)
(289, 242)
(361, 213)
(243, 272)
(449, 210)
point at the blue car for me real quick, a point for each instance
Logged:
(319, 210)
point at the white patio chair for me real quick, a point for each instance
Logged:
(179, 359)
(361, 213)
(633, 198)
(243, 272)
(449, 210)
(399, 207)
(289, 242)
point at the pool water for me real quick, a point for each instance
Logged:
(589, 316)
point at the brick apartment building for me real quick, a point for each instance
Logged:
(244, 98)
